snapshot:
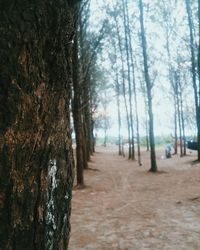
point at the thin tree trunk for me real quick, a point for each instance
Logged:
(149, 89)
(134, 84)
(146, 125)
(77, 115)
(118, 112)
(85, 93)
(127, 48)
(193, 67)
(171, 79)
(124, 88)
(182, 122)
(178, 112)
(119, 126)
(198, 108)
(175, 127)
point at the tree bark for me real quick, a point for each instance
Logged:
(77, 115)
(36, 160)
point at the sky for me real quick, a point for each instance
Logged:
(162, 103)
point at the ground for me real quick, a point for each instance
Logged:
(125, 207)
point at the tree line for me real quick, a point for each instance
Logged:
(154, 46)
(49, 73)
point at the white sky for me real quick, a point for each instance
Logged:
(162, 105)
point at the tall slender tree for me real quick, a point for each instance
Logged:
(130, 84)
(132, 66)
(81, 162)
(149, 86)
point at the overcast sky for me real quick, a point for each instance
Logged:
(162, 103)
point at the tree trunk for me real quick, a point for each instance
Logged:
(149, 89)
(77, 115)
(127, 48)
(177, 90)
(134, 85)
(117, 87)
(198, 108)
(193, 68)
(36, 160)
(175, 127)
(124, 87)
(182, 121)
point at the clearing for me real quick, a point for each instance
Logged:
(125, 207)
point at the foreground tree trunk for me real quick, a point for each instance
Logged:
(36, 161)
(149, 89)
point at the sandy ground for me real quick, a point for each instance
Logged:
(125, 207)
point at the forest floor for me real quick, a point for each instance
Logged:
(125, 207)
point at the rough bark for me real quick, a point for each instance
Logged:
(36, 161)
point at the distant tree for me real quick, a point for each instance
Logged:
(130, 81)
(132, 70)
(90, 46)
(81, 161)
(77, 102)
(149, 86)
(195, 66)
(117, 87)
(86, 46)
(123, 79)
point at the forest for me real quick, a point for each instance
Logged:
(75, 73)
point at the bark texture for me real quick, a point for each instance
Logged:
(36, 161)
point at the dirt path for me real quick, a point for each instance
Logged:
(125, 207)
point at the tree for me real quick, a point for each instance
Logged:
(81, 161)
(36, 160)
(123, 79)
(116, 85)
(89, 46)
(149, 86)
(132, 66)
(194, 68)
(130, 86)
